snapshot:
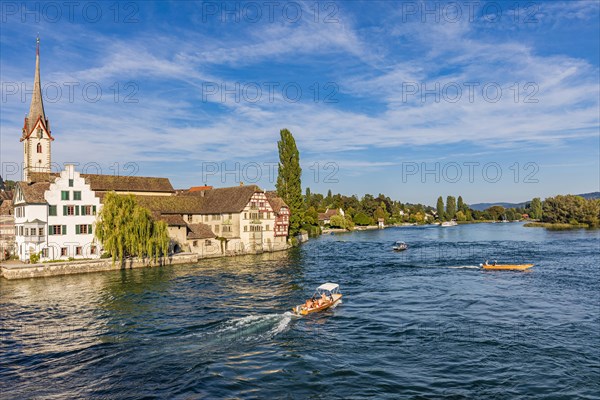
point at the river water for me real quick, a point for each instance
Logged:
(425, 323)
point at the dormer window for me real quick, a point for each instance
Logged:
(39, 147)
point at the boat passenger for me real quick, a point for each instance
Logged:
(494, 263)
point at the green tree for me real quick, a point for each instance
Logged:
(450, 207)
(337, 221)
(461, 206)
(494, 212)
(440, 208)
(460, 216)
(536, 208)
(127, 229)
(362, 219)
(311, 216)
(289, 185)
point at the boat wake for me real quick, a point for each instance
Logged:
(252, 328)
(465, 267)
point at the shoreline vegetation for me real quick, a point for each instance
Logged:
(554, 226)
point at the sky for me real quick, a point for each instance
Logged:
(494, 101)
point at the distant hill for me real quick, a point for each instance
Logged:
(484, 206)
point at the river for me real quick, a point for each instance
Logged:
(424, 323)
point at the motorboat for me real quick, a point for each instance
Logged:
(327, 295)
(449, 223)
(505, 267)
(400, 246)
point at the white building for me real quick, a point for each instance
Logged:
(56, 219)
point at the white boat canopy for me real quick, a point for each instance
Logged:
(330, 287)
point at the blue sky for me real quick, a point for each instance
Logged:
(494, 101)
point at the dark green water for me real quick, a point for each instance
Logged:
(420, 324)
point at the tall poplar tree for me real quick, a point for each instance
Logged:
(289, 185)
(451, 207)
(440, 208)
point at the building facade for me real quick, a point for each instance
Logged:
(55, 220)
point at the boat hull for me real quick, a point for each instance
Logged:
(299, 310)
(508, 267)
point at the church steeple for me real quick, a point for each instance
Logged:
(36, 136)
(36, 109)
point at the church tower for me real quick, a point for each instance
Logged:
(36, 136)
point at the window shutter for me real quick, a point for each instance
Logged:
(94, 210)
(77, 229)
(64, 210)
(76, 210)
(64, 229)
(90, 229)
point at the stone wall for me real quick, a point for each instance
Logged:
(23, 271)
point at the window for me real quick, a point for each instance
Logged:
(266, 227)
(77, 195)
(26, 231)
(206, 218)
(245, 215)
(64, 195)
(78, 251)
(52, 211)
(63, 251)
(70, 182)
(229, 216)
(39, 147)
(68, 210)
(57, 229)
(195, 243)
(93, 250)
(245, 229)
(83, 229)
(207, 242)
(216, 217)
(45, 252)
(226, 228)
(189, 217)
(216, 228)
(21, 231)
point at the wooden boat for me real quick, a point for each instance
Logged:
(507, 267)
(400, 246)
(326, 296)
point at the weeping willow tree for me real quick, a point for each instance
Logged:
(127, 229)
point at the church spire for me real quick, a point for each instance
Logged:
(36, 109)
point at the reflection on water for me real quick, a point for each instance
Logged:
(425, 322)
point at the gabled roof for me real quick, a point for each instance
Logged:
(328, 214)
(6, 208)
(107, 183)
(43, 176)
(275, 201)
(200, 231)
(224, 200)
(171, 219)
(33, 193)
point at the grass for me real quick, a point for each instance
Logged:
(555, 226)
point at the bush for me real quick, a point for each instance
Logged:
(34, 258)
(105, 255)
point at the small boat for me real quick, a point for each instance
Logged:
(449, 223)
(506, 267)
(326, 296)
(400, 246)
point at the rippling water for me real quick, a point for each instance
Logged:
(425, 323)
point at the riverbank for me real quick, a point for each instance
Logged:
(18, 270)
